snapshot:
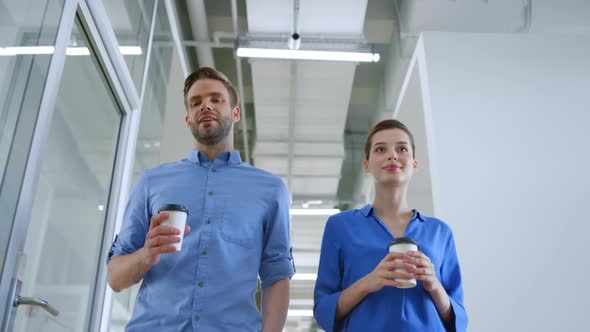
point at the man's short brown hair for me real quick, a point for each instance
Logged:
(210, 73)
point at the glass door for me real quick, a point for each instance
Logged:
(26, 26)
(53, 254)
(65, 233)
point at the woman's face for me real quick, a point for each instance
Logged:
(391, 158)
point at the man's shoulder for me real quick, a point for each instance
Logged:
(259, 173)
(163, 169)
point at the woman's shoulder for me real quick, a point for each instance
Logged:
(433, 222)
(345, 216)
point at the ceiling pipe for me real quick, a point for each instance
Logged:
(172, 14)
(211, 44)
(198, 19)
(291, 130)
(295, 38)
(243, 113)
(528, 17)
(294, 44)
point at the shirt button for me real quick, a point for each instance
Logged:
(197, 317)
(210, 193)
(207, 221)
(204, 252)
(201, 284)
(213, 170)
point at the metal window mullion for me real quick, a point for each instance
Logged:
(101, 301)
(117, 202)
(107, 35)
(104, 59)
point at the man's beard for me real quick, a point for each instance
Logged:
(211, 136)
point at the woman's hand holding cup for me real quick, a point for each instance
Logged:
(423, 269)
(391, 267)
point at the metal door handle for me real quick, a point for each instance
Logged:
(36, 302)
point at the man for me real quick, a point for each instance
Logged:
(237, 230)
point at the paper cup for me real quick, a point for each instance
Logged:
(403, 245)
(177, 219)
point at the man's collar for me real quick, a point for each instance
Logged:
(227, 157)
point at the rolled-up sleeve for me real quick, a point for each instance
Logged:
(328, 285)
(277, 262)
(136, 221)
(452, 282)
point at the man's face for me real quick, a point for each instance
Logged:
(210, 115)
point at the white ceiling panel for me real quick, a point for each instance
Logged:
(309, 186)
(275, 165)
(316, 166)
(319, 149)
(326, 16)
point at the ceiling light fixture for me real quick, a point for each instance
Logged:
(299, 313)
(310, 49)
(305, 276)
(75, 51)
(313, 212)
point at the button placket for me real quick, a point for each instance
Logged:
(202, 270)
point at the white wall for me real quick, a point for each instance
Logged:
(506, 119)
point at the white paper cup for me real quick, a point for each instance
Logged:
(176, 218)
(403, 245)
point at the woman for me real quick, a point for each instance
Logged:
(356, 288)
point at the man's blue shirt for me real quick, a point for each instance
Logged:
(354, 242)
(239, 219)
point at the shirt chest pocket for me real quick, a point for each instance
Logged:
(241, 228)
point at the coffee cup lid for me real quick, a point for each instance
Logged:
(173, 207)
(400, 240)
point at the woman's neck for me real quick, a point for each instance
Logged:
(391, 204)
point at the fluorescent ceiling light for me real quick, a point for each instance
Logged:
(130, 50)
(313, 212)
(75, 51)
(270, 53)
(311, 47)
(304, 276)
(25, 50)
(299, 313)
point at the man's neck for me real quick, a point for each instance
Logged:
(213, 151)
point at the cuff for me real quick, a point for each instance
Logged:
(459, 323)
(325, 312)
(275, 271)
(112, 253)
